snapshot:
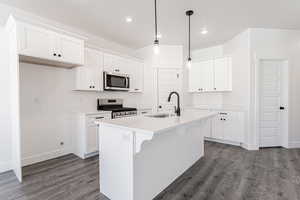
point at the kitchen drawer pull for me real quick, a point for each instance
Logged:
(222, 113)
(99, 117)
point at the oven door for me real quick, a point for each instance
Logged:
(118, 82)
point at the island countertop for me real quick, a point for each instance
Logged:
(154, 125)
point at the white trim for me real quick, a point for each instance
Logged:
(45, 156)
(294, 145)
(5, 166)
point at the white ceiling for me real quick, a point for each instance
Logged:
(223, 18)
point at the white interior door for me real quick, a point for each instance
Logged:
(169, 80)
(270, 103)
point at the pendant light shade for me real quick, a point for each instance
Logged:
(156, 41)
(189, 13)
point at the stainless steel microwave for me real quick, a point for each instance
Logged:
(116, 81)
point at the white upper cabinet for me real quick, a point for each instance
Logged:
(43, 46)
(222, 74)
(201, 77)
(115, 64)
(210, 76)
(206, 76)
(136, 76)
(90, 76)
(194, 78)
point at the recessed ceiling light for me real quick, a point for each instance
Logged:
(128, 19)
(204, 31)
(159, 35)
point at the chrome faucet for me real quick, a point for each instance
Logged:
(177, 110)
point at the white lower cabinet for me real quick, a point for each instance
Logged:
(87, 135)
(228, 126)
(92, 135)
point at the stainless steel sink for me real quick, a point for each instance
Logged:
(160, 115)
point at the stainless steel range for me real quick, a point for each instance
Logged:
(116, 108)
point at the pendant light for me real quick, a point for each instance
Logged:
(156, 41)
(189, 60)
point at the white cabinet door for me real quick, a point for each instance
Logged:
(206, 76)
(234, 127)
(194, 78)
(90, 76)
(115, 64)
(136, 76)
(70, 50)
(35, 42)
(92, 139)
(217, 128)
(201, 77)
(107, 62)
(94, 66)
(222, 72)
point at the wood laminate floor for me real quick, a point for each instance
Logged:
(225, 172)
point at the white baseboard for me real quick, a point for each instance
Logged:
(294, 145)
(5, 166)
(45, 156)
(224, 141)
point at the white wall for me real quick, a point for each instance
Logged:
(5, 146)
(49, 108)
(279, 44)
(239, 49)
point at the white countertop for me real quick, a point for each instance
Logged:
(150, 124)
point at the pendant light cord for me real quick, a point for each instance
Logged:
(189, 37)
(155, 5)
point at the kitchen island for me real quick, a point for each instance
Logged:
(141, 155)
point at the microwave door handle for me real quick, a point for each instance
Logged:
(127, 82)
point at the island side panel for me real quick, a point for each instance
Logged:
(116, 162)
(167, 156)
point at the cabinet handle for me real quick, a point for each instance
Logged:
(222, 113)
(54, 54)
(59, 55)
(215, 88)
(117, 70)
(136, 89)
